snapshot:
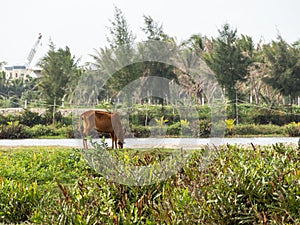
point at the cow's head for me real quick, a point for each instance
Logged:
(120, 144)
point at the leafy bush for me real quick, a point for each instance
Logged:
(3, 119)
(30, 119)
(293, 129)
(174, 129)
(66, 131)
(17, 200)
(43, 130)
(14, 130)
(140, 131)
(252, 129)
(240, 186)
(204, 112)
(50, 130)
(27, 176)
(66, 120)
(48, 117)
(274, 116)
(258, 186)
(203, 130)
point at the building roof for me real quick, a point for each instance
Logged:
(14, 67)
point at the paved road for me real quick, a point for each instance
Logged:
(188, 143)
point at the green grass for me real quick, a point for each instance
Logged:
(242, 185)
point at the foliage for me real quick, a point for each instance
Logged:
(154, 30)
(229, 125)
(119, 31)
(284, 67)
(30, 124)
(293, 129)
(174, 129)
(14, 130)
(43, 130)
(161, 122)
(13, 93)
(59, 74)
(28, 175)
(140, 131)
(228, 61)
(30, 119)
(18, 200)
(241, 185)
(252, 129)
(252, 187)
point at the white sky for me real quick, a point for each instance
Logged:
(81, 25)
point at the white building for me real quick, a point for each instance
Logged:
(15, 72)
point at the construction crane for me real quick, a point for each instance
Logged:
(33, 50)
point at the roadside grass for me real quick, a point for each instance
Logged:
(242, 185)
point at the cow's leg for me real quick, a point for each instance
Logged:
(85, 134)
(115, 140)
(112, 140)
(85, 143)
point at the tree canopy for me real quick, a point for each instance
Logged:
(267, 71)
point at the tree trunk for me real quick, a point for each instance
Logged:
(54, 110)
(236, 113)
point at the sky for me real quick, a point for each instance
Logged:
(82, 25)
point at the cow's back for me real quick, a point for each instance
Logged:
(103, 121)
(109, 122)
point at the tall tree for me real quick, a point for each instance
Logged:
(228, 61)
(160, 47)
(111, 62)
(154, 30)
(59, 70)
(195, 43)
(120, 33)
(284, 67)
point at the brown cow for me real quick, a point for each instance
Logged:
(102, 122)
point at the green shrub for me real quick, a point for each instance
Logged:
(293, 129)
(47, 117)
(66, 131)
(43, 130)
(140, 131)
(3, 120)
(252, 129)
(204, 129)
(17, 200)
(174, 129)
(252, 186)
(204, 112)
(257, 185)
(30, 119)
(27, 176)
(11, 118)
(14, 130)
(66, 120)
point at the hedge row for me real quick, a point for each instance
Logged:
(15, 130)
(140, 115)
(154, 120)
(31, 119)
